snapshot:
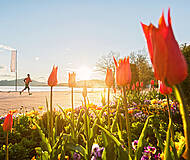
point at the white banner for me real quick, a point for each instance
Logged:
(13, 61)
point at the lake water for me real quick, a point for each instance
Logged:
(44, 88)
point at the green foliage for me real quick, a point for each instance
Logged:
(110, 149)
(149, 124)
(141, 140)
(144, 69)
(186, 83)
(22, 140)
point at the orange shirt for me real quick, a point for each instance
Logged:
(27, 80)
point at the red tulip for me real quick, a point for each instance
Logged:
(123, 72)
(52, 80)
(133, 87)
(8, 122)
(137, 84)
(84, 92)
(128, 86)
(164, 89)
(168, 62)
(141, 84)
(152, 82)
(114, 90)
(130, 111)
(109, 78)
(72, 79)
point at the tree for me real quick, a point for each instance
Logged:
(106, 61)
(186, 83)
(144, 69)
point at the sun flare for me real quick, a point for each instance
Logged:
(84, 73)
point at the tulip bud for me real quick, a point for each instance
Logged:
(52, 80)
(137, 84)
(123, 72)
(128, 86)
(109, 78)
(8, 122)
(133, 87)
(152, 82)
(141, 84)
(72, 79)
(84, 92)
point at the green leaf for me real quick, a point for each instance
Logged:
(45, 155)
(65, 115)
(118, 143)
(181, 149)
(102, 111)
(109, 147)
(174, 151)
(122, 153)
(62, 135)
(114, 124)
(167, 153)
(98, 116)
(141, 139)
(160, 142)
(93, 130)
(79, 120)
(75, 147)
(44, 139)
(48, 121)
(38, 150)
(58, 145)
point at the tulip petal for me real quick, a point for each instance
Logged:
(160, 54)
(115, 61)
(177, 66)
(8, 122)
(146, 30)
(168, 62)
(52, 80)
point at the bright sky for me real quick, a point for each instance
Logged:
(75, 33)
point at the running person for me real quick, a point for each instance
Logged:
(27, 80)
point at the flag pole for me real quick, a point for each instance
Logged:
(16, 72)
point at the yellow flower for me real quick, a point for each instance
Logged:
(68, 110)
(14, 111)
(33, 158)
(29, 114)
(34, 127)
(36, 113)
(41, 108)
(164, 104)
(59, 157)
(153, 101)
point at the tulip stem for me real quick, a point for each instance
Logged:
(7, 147)
(127, 122)
(170, 117)
(185, 117)
(86, 121)
(108, 107)
(72, 108)
(51, 114)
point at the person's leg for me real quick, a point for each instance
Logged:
(29, 91)
(23, 90)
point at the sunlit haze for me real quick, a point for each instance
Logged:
(84, 73)
(76, 33)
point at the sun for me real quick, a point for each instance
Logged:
(84, 73)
